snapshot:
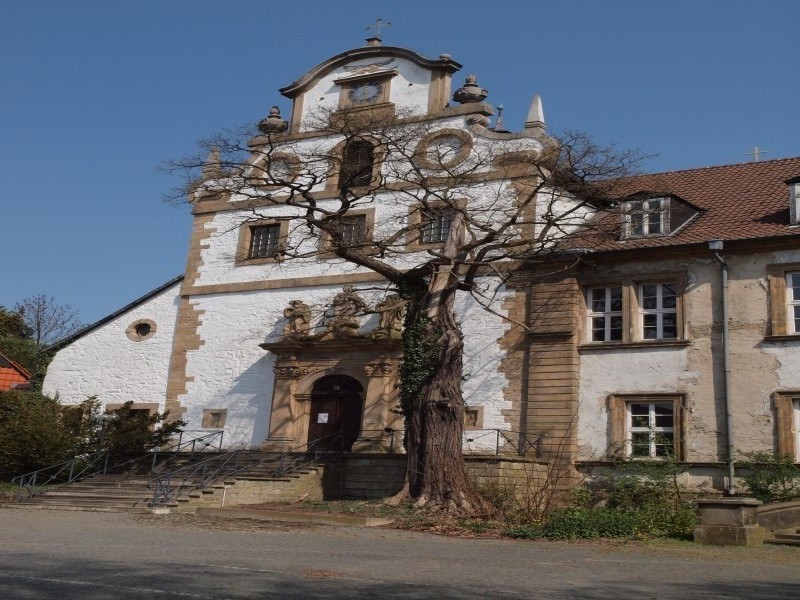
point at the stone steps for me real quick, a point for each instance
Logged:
(785, 537)
(129, 492)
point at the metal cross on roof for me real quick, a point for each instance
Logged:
(756, 153)
(377, 27)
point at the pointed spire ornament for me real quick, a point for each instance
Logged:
(500, 123)
(535, 118)
(212, 168)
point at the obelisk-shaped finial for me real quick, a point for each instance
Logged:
(535, 118)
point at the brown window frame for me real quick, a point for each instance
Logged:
(632, 312)
(208, 416)
(619, 445)
(779, 322)
(246, 231)
(326, 247)
(415, 238)
(787, 436)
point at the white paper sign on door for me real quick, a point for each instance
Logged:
(322, 418)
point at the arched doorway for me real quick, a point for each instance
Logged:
(337, 402)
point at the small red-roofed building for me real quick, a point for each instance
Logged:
(12, 374)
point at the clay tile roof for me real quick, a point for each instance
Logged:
(11, 373)
(736, 202)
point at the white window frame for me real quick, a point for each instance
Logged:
(649, 217)
(792, 303)
(794, 203)
(796, 427)
(652, 429)
(607, 314)
(659, 311)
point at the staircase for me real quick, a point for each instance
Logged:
(785, 537)
(187, 477)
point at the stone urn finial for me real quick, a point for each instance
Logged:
(273, 123)
(470, 92)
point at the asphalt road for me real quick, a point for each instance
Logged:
(93, 556)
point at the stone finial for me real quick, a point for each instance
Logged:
(273, 123)
(535, 118)
(470, 92)
(212, 168)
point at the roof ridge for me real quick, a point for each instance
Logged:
(740, 164)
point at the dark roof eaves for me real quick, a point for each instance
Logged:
(89, 328)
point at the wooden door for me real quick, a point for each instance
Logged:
(336, 409)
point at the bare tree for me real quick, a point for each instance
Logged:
(462, 208)
(46, 320)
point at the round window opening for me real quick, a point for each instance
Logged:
(143, 329)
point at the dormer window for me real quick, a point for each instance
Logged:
(794, 200)
(654, 216)
(648, 217)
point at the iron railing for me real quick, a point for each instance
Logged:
(100, 463)
(199, 475)
(519, 442)
(66, 472)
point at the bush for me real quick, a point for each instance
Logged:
(574, 523)
(33, 434)
(771, 478)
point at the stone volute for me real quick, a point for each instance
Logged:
(470, 92)
(273, 123)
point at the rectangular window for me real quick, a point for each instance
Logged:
(793, 301)
(651, 429)
(658, 307)
(647, 426)
(214, 418)
(264, 241)
(436, 227)
(632, 312)
(353, 229)
(646, 217)
(796, 428)
(605, 314)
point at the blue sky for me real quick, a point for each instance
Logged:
(94, 95)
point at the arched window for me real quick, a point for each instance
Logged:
(357, 161)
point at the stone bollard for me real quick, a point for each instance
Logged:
(729, 522)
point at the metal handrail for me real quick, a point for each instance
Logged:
(65, 472)
(173, 484)
(204, 441)
(97, 463)
(521, 442)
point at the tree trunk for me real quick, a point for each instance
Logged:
(436, 477)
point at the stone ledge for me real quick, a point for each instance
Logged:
(292, 517)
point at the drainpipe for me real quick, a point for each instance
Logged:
(716, 246)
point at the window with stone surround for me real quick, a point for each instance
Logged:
(784, 300)
(634, 311)
(787, 424)
(214, 418)
(647, 425)
(654, 216)
(356, 229)
(436, 225)
(358, 159)
(262, 241)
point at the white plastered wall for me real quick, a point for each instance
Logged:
(758, 367)
(107, 364)
(230, 371)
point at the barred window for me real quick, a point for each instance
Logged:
(436, 226)
(264, 241)
(353, 229)
(357, 163)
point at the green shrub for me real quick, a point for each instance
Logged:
(581, 523)
(771, 478)
(33, 434)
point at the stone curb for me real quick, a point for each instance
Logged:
(296, 517)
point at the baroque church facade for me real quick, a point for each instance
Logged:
(621, 349)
